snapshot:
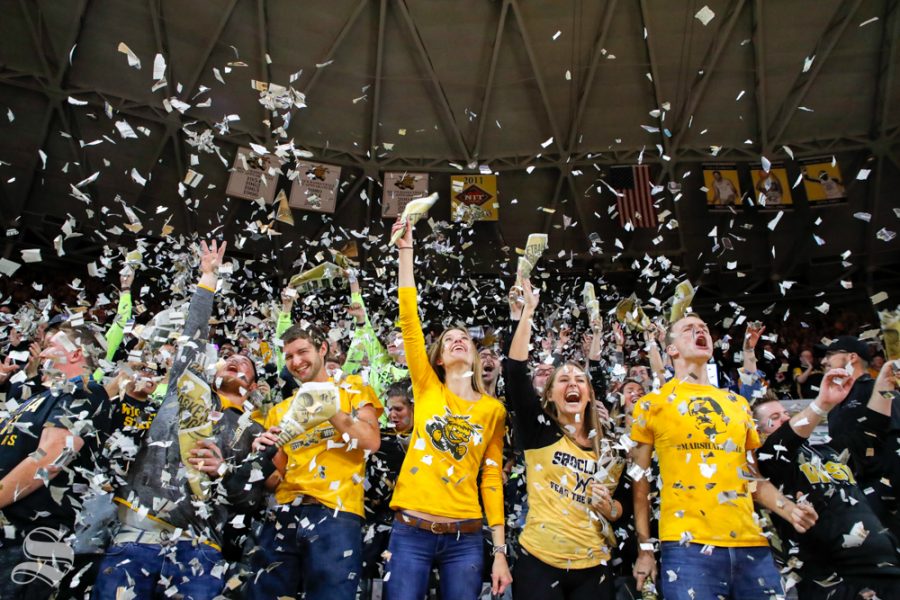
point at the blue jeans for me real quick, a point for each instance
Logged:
(414, 551)
(318, 552)
(745, 573)
(153, 569)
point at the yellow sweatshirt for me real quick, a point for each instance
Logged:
(452, 439)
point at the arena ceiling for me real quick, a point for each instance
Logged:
(543, 92)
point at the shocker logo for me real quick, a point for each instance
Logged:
(452, 433)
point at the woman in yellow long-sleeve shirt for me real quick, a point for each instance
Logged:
(457, 434)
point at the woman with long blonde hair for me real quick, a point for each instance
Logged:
(457, 435)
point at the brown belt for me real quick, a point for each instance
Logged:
(467, 526)
(310, 500)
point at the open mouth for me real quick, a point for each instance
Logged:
(701, 341)
(573, 397)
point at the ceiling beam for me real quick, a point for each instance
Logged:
(265, 69)
(53, 105)
(886, 70)
(654, 77)
(438, 90)
(822, 50)
(332, 50)
(757, 38)
(707, 68)
(582, 218)
(207, 52)
(35, 38)
(603, 33)
(554, 203)
(376, 83)
(539, 80)
(489, 84)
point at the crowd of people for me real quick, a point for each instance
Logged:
(179, 455)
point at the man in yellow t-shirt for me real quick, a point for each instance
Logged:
(704, 438)
(312, 543)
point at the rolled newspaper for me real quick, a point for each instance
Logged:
(590, 301)
(629, 312)
(413, 212)
(890, 329)
(319, 276)
(312, 404)
(681, 301)
(534, 248)
(194, 404)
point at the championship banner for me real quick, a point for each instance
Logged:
(315, 187)
(822, 181)
(399, 188)
(771, 187)
(474, 198)
(722, 184)
(250, 178)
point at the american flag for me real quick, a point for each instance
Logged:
(633, 202)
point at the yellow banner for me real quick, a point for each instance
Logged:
(474, 198)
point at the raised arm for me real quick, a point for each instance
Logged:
(283, 323)
(835, 386)
(885, 391)
(116, 332)
(196, 324)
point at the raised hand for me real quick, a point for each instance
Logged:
(211, 257)
(516, 300)
(405, 240)
(288, 295)
(358, 313)
(751, 337)
(835, 386)
(530, 296)
(618, 334)
(34, 359)
(126, 278)
(7, 368)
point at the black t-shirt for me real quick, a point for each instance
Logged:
(831, 545)
(83, 410)
(382, 470)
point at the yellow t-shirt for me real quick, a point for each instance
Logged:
(701, 435)
(320, 463)
(561, 529)
(451, 441)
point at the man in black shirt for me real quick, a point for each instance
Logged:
(876, 467)
(49, 437)
(848, 550)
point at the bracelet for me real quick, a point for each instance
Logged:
(818, 410)
(501, 549)
(405, 248)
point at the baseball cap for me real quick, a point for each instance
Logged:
(846, 343)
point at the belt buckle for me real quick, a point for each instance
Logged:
(434, 528)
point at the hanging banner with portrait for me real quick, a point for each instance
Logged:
(822, 181)
(771, 188)
(252, 176)
(315, 187)
(399, 188)
(474, 198)
(722, 185)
